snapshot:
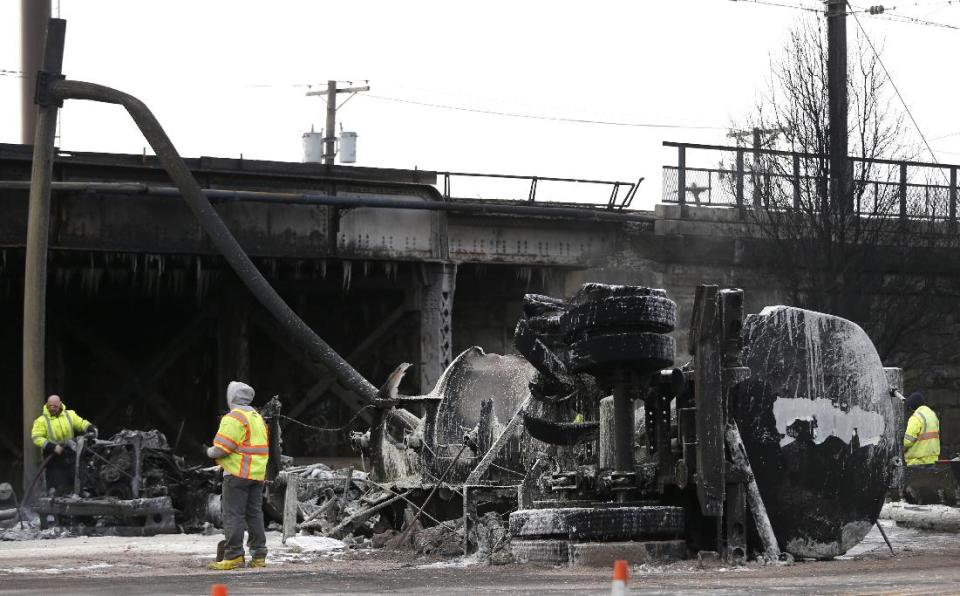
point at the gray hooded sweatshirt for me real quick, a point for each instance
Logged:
(239, 397)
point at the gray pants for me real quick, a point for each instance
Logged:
(242, 506)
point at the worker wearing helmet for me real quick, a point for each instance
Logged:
(54, 432)
(241, 449)
(921, 442)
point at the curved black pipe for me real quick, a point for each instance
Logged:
(221, 237)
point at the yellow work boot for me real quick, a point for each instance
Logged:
(227, 564)
(257, 562)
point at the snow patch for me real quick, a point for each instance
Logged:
(455, 563)
(54, 570)
(314, 544)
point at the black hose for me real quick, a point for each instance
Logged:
(219, 234)
(29, 493)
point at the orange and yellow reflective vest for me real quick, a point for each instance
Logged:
(922, 439)
(244, 436)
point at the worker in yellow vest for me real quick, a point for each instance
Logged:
(54, 432)
(921, 442)
(241, 449)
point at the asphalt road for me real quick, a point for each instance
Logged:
(925, 563)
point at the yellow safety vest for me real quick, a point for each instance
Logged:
(922, 439)
(244, 436)
(57, 429)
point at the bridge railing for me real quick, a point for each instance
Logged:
(722, 176)
(542, 190)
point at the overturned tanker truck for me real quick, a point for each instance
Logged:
(776, 437)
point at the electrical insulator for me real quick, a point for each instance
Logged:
(875, 10)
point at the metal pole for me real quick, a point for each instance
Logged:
(623, 427)
(837, 95)
(739, 180)
(34, 15)
(330, 135)
(35, 265)
(220, 236)
(953, 199)
(756, 168)
(682, 179)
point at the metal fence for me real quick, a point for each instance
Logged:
(719, 176)
(542, 190)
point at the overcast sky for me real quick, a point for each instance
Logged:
(230, 77)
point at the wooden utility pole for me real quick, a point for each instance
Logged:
(330, 131)
(836, 11)
(38, 230)
(34, 15)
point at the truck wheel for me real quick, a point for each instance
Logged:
(649, 350)
(613, 523)
(636, 313)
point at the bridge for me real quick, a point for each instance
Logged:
(146, 323)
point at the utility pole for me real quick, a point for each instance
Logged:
(840, 188)
(34, 15)
(330, 131)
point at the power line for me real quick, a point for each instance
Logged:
(952, 134)
(540, 117)
(897, 90)
(781, 5)
(897, 18)
(912, 20)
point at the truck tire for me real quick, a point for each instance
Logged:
(636, 313)
(647, 350)
(553, 552)
(613, 523)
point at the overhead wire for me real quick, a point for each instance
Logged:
(897, 18)
(896, 90)
(543, 117)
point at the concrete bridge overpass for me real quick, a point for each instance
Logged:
(146, 323)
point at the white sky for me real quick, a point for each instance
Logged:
(226, 77)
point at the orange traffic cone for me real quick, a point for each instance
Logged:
(619, 585)
(218, 590)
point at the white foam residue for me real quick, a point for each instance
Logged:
(54, 570)
(455, 563)
(314, 544)
(830, 420)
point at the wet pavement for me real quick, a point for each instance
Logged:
(925, 563)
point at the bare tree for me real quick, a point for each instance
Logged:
(871, 257)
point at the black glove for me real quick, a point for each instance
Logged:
(48, 448)
(91, 432)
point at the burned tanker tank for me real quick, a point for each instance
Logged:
(807, 390)
(819, 426)
(776, 435)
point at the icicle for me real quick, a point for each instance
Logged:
(390, 270)
(524, 274)
(198, 278)
(347, 273)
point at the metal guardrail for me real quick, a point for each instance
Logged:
(760, 178)
(620, 196)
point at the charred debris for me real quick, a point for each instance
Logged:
(777, 437)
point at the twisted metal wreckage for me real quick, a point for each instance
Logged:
(591, 439)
